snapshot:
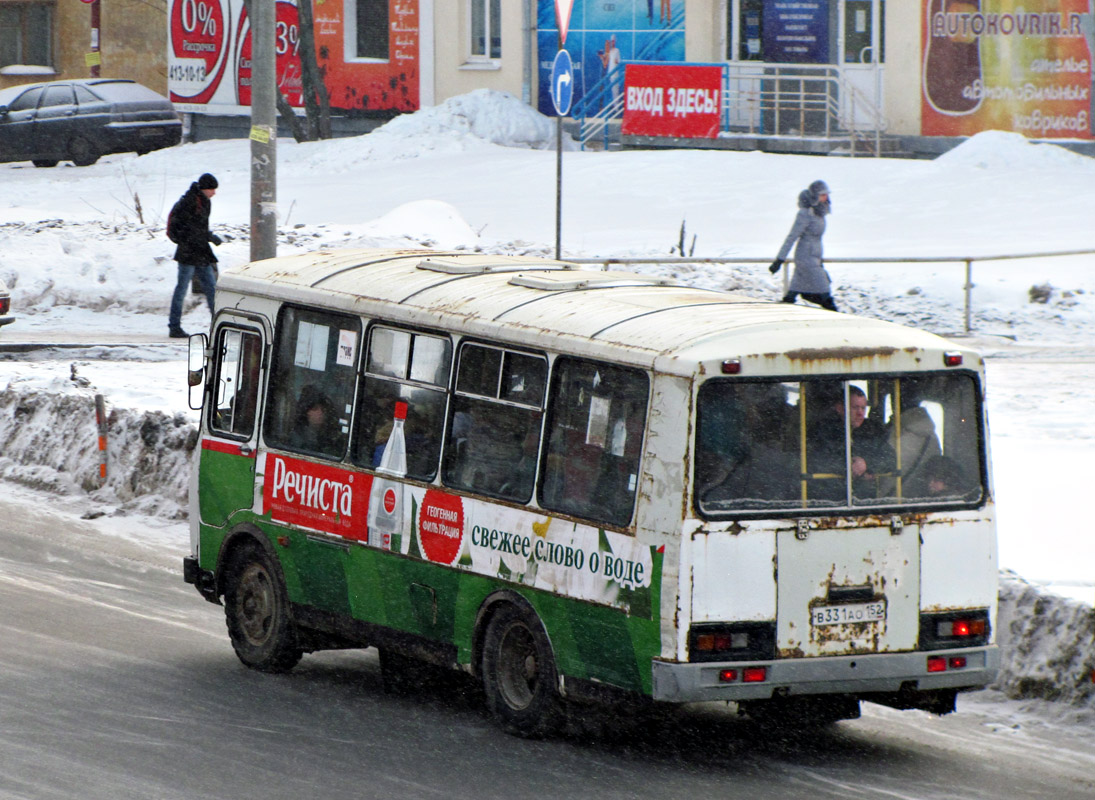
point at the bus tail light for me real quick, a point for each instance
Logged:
(731, 366)
(942, 630)
(937, 664)
(754, 674)
(732, 641)
(728, 675)
(952, 359)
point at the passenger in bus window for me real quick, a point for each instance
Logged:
(759, 469)
(872, 455)
(315, 425)
(919, 442)
(944, 477)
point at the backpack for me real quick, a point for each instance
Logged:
(168, 230)
(173, 234)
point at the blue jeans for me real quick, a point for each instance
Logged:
(208, 281)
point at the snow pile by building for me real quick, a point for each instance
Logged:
(495, 117)
(470, 122)
(1003, 150)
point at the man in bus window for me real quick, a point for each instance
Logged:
(872, 456)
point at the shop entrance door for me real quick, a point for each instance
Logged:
(861, 58)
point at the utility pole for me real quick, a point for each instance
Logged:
(264, 130)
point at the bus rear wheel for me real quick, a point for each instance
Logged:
(256, 610)
(519, 676)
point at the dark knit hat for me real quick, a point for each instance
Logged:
(816, 188)
(207, 181)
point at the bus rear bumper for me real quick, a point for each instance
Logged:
(881, 673)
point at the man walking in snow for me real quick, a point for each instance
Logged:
(188, 227)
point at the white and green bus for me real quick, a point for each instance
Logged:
(574, 484)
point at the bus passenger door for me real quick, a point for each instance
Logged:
(229, 441)
(847, 590)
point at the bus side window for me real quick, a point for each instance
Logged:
(597, 414)
(312, 382)
(239, 355)
(494, 434)
(408, 367)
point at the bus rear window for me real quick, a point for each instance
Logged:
(830, 444)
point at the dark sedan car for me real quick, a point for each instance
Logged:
(80, 120)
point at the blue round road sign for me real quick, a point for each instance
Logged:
(562, 83)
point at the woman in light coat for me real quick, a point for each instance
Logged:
(810, 278)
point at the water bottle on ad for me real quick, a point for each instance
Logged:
(385, 518)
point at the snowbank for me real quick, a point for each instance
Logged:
(48, 442)
(1002, 150)
(1047, 643)
(467, 123)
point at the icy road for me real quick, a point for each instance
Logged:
(118, 681)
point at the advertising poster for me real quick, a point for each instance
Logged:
(209, 55)
(669, 100)
(1013, 65)
(796, 31)
(604, 34)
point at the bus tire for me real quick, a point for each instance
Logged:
(519, 676)
(256, 610)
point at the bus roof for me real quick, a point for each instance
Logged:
(638, 319)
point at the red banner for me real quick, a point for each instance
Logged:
(664, 100)
(316, 496)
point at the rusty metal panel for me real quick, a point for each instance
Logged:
(734, 575)
(958, 562)
(820, 567)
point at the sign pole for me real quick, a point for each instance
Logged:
(562, 93)
(558, 188)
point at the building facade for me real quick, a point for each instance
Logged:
(914, 68)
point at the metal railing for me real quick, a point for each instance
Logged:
(759, 100)
(968, 261)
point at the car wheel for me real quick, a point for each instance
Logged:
(256, 610)
(82, 152)
(519, 675)
(44, 162)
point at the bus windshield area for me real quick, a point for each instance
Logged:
(857, 443)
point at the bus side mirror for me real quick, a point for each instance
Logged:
(195, 370)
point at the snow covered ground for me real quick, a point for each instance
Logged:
(84, 254)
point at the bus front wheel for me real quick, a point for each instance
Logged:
(519, 676)
(256, 610)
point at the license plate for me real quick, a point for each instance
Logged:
(848, 614)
